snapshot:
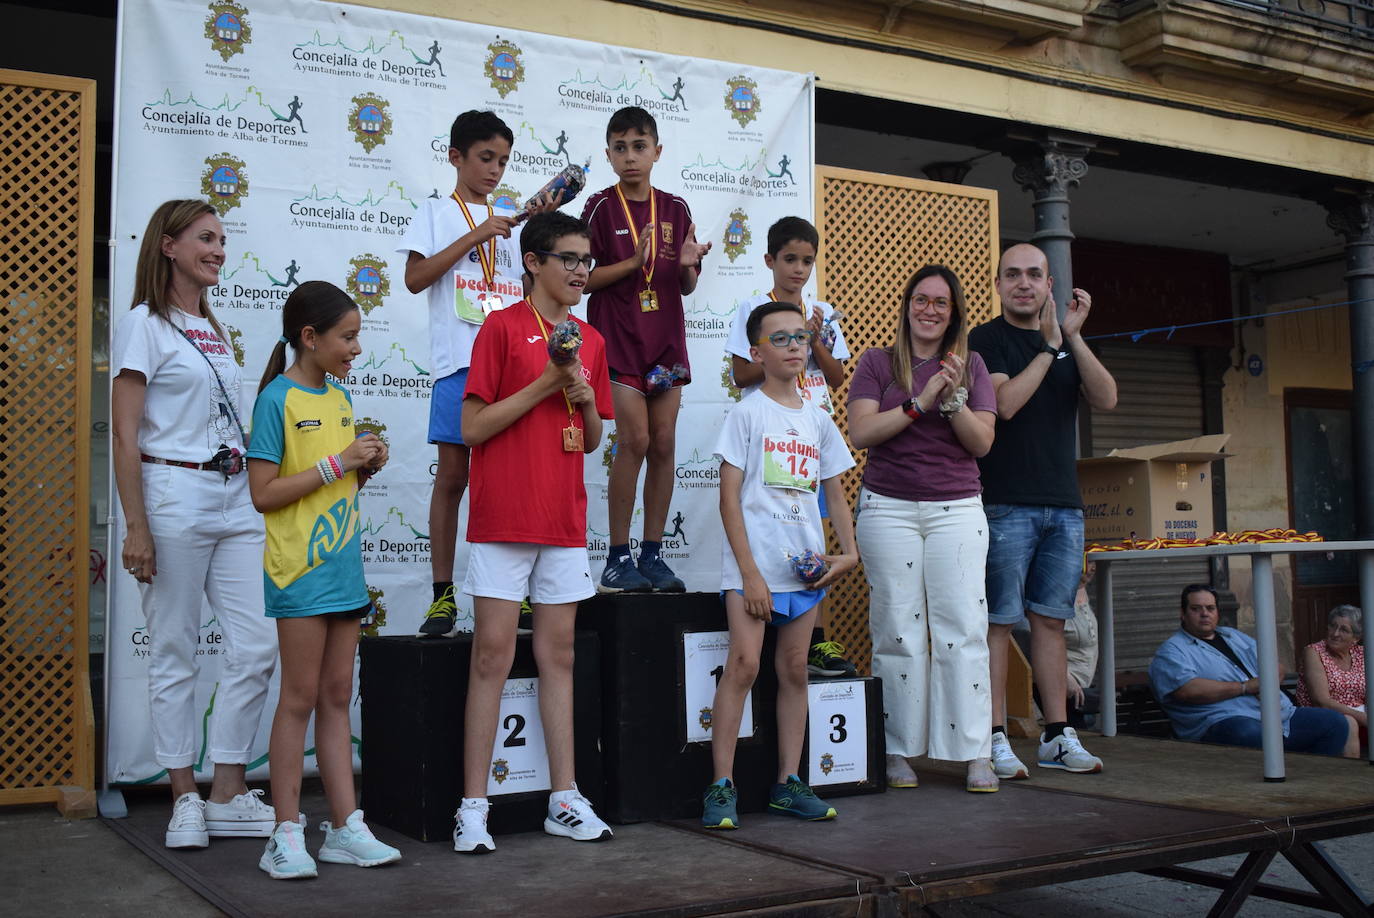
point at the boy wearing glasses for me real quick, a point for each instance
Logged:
(776, 451)
(529, 419)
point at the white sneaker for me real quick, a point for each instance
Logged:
(470, 835)
(900, 773)
(571, 816)
(285, 857)
(353, 843)
(1005, 764)
(187, 828)
(1066, 752)
(245, 816)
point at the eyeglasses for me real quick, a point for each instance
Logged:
(785, 339)
(571, 261)
(921, 301)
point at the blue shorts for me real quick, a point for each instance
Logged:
(1319, 730)
(788, 606)
(1035, 558)
(446, 408)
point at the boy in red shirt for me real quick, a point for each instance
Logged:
(529, 420)
(645, 243)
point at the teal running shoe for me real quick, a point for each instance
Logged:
(353, 843)
(795, 798)
(718, 806)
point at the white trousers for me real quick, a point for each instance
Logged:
(929, 623)
(209, 542)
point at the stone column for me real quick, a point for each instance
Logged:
(1352, 216)
(1048, 170)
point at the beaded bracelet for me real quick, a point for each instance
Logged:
(326, 471)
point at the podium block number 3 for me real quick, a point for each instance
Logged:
(837, 734)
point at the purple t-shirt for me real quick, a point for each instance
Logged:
(637, 340)
(925, 461)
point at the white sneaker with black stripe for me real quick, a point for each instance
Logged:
(571, 816)
(470, 835)
(285, 857)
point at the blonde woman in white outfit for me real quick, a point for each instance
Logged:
(190, 528)
(924, 408)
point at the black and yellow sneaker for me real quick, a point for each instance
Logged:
(441, 620)
(827, 659)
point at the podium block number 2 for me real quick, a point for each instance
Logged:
(837, 734)
(519, 763)
(703, 663)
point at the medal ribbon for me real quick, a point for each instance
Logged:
(540, 319)
(486, 258)
(801, 377)
(652, 260)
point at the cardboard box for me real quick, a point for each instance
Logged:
(1162, 490)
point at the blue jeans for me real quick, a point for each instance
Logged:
(1319, 730)
(1035, 559)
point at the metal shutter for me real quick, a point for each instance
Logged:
(1159, 398)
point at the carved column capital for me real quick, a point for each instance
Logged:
(1053, 165)
(1352, 215)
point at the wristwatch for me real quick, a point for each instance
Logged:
(1047, 348)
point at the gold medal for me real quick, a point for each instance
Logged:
(572, 439)
(490, 302)
(648, 301)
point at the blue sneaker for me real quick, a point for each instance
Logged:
(718, 806)
(622, 577)
(795, 798)
(660, 576)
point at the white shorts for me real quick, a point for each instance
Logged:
(547, 574)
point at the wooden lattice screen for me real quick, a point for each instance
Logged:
(876, 230)
(47, 143)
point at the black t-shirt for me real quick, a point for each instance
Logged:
(1219, 643)
(1033, 458)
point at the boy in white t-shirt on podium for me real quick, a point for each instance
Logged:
(776, 451)
(792, 247)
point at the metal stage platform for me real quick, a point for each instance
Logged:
(1158, 804)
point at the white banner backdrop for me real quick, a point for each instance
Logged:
(316, 128)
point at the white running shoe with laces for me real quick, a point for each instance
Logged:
(353, 843)
(285, 857)
(1005, 764)
(571, 816)
(245, 816)
(470, 835)
(187, 828)
(1067, 753)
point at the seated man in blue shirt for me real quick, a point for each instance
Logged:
(1206, 679)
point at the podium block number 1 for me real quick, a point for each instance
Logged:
(703, 663)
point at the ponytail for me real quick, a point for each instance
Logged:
(276, 364)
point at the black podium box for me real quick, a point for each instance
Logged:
(413, 693)
(846, 745)
(652, 769)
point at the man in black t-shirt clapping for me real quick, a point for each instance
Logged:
(1030, 491)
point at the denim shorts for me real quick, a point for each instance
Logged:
(446, 408)
(1035, 559)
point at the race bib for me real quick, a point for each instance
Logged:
(791, 462)
(465, 305)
